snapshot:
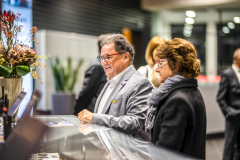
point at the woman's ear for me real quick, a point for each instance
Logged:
(176, 70)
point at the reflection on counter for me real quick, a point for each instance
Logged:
(90, 141)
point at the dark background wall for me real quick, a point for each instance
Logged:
(197, 38)
(95, 17)
(227, 44)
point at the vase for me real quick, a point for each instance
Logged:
(62, 103)
(12, 87)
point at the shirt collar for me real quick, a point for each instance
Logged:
(113, 82)
(235, 68)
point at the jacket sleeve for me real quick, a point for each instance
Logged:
(90, 86)
(222, 94)
(136, 107)
(174, 122)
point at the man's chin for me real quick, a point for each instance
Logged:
(109, 76)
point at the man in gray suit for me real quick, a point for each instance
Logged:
(122, 103)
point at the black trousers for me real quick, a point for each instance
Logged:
(232, 140)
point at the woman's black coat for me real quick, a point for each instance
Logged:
(180, 123)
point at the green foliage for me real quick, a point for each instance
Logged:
(5, 71)
(19, 70)
(64, 77)
(22, 70)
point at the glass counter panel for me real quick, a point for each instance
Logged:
(88, 141)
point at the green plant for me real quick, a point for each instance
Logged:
(64, 77)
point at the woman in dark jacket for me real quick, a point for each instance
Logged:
(177, 117)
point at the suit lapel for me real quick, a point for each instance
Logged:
(118, 87)
(100, 97)
(235, 76)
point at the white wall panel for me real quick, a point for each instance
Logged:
(63, 45)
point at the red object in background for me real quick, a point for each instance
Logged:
(203, 78)
(5, 110)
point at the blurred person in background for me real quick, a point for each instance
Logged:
(122, 103)
(228, 98)
(155, 77)
(177, 116)
(94, 80)
(148, 69)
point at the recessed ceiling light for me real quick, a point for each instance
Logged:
(186, 34)
(190, 26)
(226, 30)
(236, 19)
(190, 13)
(189, 20)
(231, 25)
(187, 31)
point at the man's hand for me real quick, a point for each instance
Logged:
(85, 128)
(232, 112)
(85, 116)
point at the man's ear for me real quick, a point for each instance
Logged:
(126, 57)
(238, 60)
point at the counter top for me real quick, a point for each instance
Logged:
(87, 141)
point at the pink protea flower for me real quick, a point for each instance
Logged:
(34, 30)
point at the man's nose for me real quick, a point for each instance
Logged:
(103, 62)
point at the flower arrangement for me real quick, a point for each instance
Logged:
(16, 58)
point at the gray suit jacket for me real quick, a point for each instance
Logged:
(128, 113)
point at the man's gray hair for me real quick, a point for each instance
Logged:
(100, 39)
(121, 45)
(236, 55)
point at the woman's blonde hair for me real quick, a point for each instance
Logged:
(181, 56)
(155, 77)
(152, 44)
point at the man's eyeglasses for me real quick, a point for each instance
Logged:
(106, 57)
(162, 63)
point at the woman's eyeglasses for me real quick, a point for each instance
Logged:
(162, 63)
